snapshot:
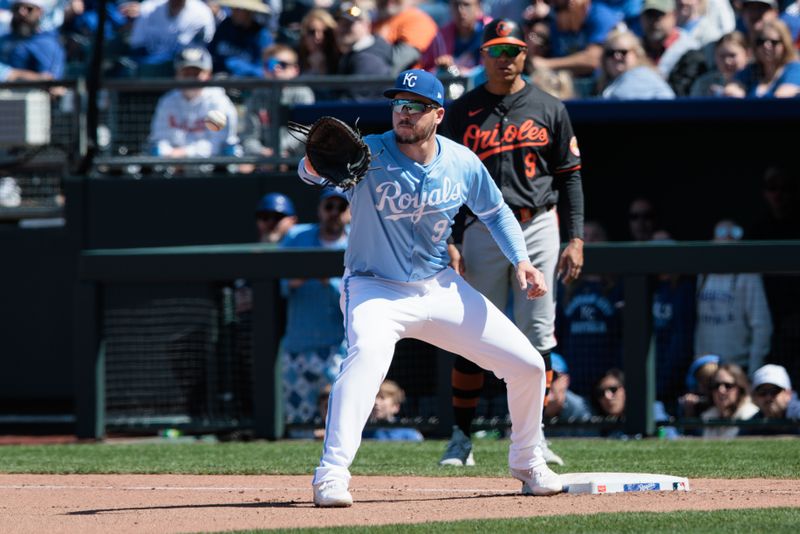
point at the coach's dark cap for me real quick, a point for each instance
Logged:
(420, 82)
(503, 31)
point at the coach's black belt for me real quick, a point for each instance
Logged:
(524, 215)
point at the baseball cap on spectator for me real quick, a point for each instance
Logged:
(420, 82)
(558, 363)
(663, 6)
(256, 6)
(275, 202)
(332, 192)
(691, 379)
(772, 374)
(194, 56)
(503, 31)
(351, 12)
(771, 3)
(41, 4)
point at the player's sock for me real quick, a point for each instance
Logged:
(467, 380)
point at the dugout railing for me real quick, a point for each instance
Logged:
(636, 263)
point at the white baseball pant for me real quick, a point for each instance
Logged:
(446, 312)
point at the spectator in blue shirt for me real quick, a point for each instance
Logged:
(775, 71)
(313, 345)
(241, 37)
(29, 48)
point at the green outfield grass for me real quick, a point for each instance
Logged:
(741, 458)
(774, 521)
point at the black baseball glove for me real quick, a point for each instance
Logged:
(336, 151)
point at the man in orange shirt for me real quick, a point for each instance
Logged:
(407, 28)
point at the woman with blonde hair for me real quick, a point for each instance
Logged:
(318, 51)
(775, 70)
(731, 401)
(627, 72)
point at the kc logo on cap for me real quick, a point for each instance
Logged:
(421, 83)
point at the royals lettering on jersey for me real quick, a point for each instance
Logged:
(402, 211)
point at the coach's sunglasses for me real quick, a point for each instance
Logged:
(510, 51)
(412, 107)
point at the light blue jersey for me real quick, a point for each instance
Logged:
(402, 212)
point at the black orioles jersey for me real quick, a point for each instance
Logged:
(526, 142)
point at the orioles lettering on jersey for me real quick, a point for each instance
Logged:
(485, 143)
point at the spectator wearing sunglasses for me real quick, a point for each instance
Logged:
(642, 219)
(313, 346)
(319, 54)
(731, 401)
(241, 37)
(733, 316)
(627, 73)
(268, 107)
(772, 393)
(608, 400)
(775, 71)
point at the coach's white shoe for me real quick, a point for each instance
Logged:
(539, 480)
(332, 494)
(459, 450)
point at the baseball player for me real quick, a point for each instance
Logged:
(397, 284)
(524, 138)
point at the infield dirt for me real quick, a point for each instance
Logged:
(192, 503)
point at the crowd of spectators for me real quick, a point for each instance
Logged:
(604, 48)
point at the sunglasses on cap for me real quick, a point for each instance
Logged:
(511, 51)
(412, 107)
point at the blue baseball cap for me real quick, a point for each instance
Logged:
(691, 380)
(277, 202)
(558, 363)
(329, 192)
(420, 82)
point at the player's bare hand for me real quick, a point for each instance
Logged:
(570, 263)
(456, 260)
(531, 279)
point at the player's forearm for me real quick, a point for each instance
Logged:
(507, 234)
(574, 190)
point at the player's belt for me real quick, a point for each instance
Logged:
(524, 215)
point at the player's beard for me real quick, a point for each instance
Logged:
(427, 132)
